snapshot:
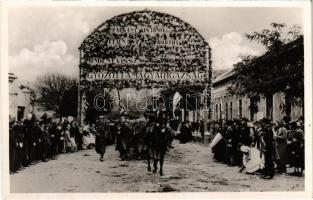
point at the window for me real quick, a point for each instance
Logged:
(269, 107)
(287, 105)
(20, 112)
(216, 112)
(226, 110)
(220, 110)
(240, 108)
(231, 110)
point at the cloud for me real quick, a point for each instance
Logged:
(49, 56)
(27, 28)
(72, 21)
(226, 51)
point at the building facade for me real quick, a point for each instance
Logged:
(19, 98)
(227, 106)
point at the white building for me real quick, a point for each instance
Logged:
(19, 99)
(227, 106)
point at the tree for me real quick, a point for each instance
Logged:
(280, 69)
(57, 92)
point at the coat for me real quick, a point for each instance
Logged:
(102, 135)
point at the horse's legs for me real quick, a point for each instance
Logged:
(161, 164)
(125, 153)
(155, 165)
(148, 159)
(137, 149)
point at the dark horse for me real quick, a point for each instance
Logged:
(157, 141)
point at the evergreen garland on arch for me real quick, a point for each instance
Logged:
(188, 56)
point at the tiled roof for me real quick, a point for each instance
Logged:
(225, 75)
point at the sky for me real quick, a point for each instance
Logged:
(46, 39)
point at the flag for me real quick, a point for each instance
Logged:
(176, 100)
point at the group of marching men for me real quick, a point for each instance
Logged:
(133, 134)
(128, 134)
(260, 146)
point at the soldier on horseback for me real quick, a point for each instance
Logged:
(158, 135)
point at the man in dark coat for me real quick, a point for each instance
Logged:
(29, 141)
(174, 123)
(268, 138)
(37, 140)
(19, 131)
(13, 143)
(77, 135)
(185, 133)
(219, 150)
(46, 142)
(123, 135)
(139, 138)
(231, 148)
(102, 133)
(54, 135)
(281, 142)
(60, 138)
(296, 148)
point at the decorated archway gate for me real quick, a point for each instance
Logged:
(143, 49)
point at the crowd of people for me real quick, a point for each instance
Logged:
(187, 131)
(33, 140)
(260, 146)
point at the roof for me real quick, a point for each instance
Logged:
(224, 76)
(288, 47)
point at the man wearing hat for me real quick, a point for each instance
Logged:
(123, 136)
(102, 133)
(12, 146)
(19, 132)
(268, 138)
(29, 140)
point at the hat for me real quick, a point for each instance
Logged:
(244, 149)
(244, 119)
(286, 119)
(11, 119)
(266, 121)
(29, 116)
(293, 125)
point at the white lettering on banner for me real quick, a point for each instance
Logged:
(117, 60)
(160, 42)
(160, 75)
(133, 29)
(121, 42)
(133, 61)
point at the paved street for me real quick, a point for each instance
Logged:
(187, 168)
